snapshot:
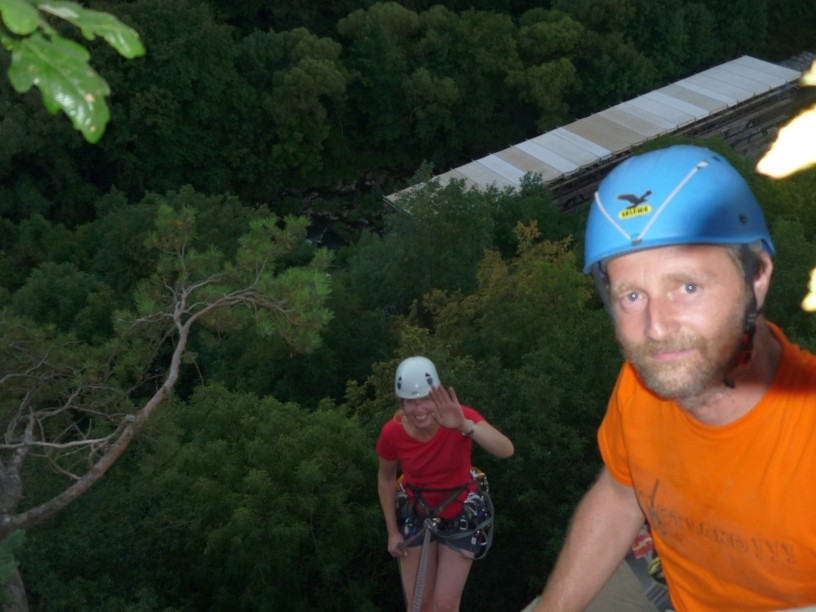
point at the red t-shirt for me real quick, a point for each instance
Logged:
(443, 462)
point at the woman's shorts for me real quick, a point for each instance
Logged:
(459, 532)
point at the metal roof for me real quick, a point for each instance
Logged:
(589, 141)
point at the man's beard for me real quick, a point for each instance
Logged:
(705, 368)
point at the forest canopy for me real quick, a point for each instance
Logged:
(246, 135)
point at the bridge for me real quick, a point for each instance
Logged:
(743, 101)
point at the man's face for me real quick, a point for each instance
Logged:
(678, 314)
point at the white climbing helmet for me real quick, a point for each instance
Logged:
(415, 377)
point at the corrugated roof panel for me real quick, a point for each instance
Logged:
(651, 117)
(768, 80)
(709, 92)
(635, 121)
(527, 163)
(712, 105)
(584, 155)
(551, 159)
(604, 132)
(698, 112)
(788, 75)
(503, 167)
(754, 86)
(659, 108)
(484, 176)
(740, 94)
(577, 139)
(450, 175)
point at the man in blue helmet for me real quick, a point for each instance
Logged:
(710, 433)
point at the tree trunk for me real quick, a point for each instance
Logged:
(16, 589)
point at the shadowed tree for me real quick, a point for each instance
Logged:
(76, 407)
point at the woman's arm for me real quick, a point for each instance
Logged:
(386, 490)
(449, 414)
(490, 439)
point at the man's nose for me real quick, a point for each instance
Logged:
(660, 318)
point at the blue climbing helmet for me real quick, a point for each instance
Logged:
(682, 194)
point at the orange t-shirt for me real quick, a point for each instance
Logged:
(732, 508)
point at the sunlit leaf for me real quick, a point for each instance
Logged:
(809, 303)
(95, 23)
(60, 69)
(795, 145)
(794, 148)
(19, 16)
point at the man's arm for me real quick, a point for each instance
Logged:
(602, 531)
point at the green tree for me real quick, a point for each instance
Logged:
(174, 111)
(74, 408)
(436, 241)
(72, 300)
(377, 48)
(288, 108)
(548, 42)
(240, 503)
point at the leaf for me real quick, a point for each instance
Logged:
(809, 303)
(60, 69)
(19, 16)
(95, 23)
(793, 150)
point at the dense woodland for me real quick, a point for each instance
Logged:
(253, 485)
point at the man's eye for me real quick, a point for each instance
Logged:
(632, 296)
(690, 287)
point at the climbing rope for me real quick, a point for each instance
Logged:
(429, 526)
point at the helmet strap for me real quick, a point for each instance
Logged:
(746, 344)
(601, 283)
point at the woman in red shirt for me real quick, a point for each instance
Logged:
(429, 441)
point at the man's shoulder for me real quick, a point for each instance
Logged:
(793, 353)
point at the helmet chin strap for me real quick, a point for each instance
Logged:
(746, 344)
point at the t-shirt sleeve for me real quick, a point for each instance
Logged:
(472, 414)
(385, 443)
(611, 440)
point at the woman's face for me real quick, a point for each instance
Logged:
(419, 411)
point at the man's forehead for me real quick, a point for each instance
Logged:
(672, 258)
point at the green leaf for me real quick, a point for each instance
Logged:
(19, 16)
(60, 69)
(95, 23)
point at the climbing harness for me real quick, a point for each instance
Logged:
(420, 520)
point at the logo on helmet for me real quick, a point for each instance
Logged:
(637, 206)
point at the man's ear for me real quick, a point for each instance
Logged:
(762, 278)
